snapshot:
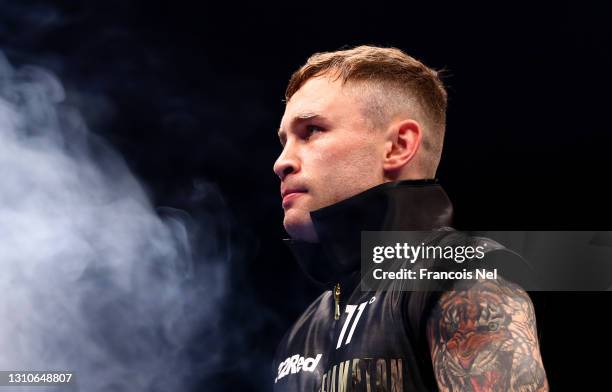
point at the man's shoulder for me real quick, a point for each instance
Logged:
(307, 325)
(448, 236)
(506, 263)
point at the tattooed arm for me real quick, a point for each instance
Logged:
(482, 337)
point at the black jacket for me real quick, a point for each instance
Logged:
(378, 342)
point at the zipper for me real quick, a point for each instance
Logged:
(337, 301)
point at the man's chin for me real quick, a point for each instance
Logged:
(298, 225)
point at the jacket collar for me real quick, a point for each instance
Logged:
(402, 205)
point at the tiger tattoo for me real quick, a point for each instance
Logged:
(483, 338)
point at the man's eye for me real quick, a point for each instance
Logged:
(310, 129)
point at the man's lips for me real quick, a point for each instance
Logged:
(290, 195)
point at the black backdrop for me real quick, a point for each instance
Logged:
(193, 93)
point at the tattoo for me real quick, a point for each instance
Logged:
(483, 338)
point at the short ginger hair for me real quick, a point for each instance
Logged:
(391, 82)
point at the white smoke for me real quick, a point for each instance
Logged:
(92, 280)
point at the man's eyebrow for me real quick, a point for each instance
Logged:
(305, 116)
(297, 119)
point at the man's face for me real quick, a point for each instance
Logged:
(329, 152)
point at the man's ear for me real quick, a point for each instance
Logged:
(403, 141)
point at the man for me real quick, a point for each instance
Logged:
(362, 137)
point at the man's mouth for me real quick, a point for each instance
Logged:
(290, 195)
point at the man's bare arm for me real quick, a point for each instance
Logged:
(483, 338)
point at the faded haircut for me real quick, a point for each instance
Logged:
(390, 83)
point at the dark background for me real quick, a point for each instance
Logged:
(192, 94)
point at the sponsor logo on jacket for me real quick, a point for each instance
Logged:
(296, 364)
(364, 374)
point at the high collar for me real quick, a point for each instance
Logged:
(403, 205)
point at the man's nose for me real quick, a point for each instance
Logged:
(286, 164)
